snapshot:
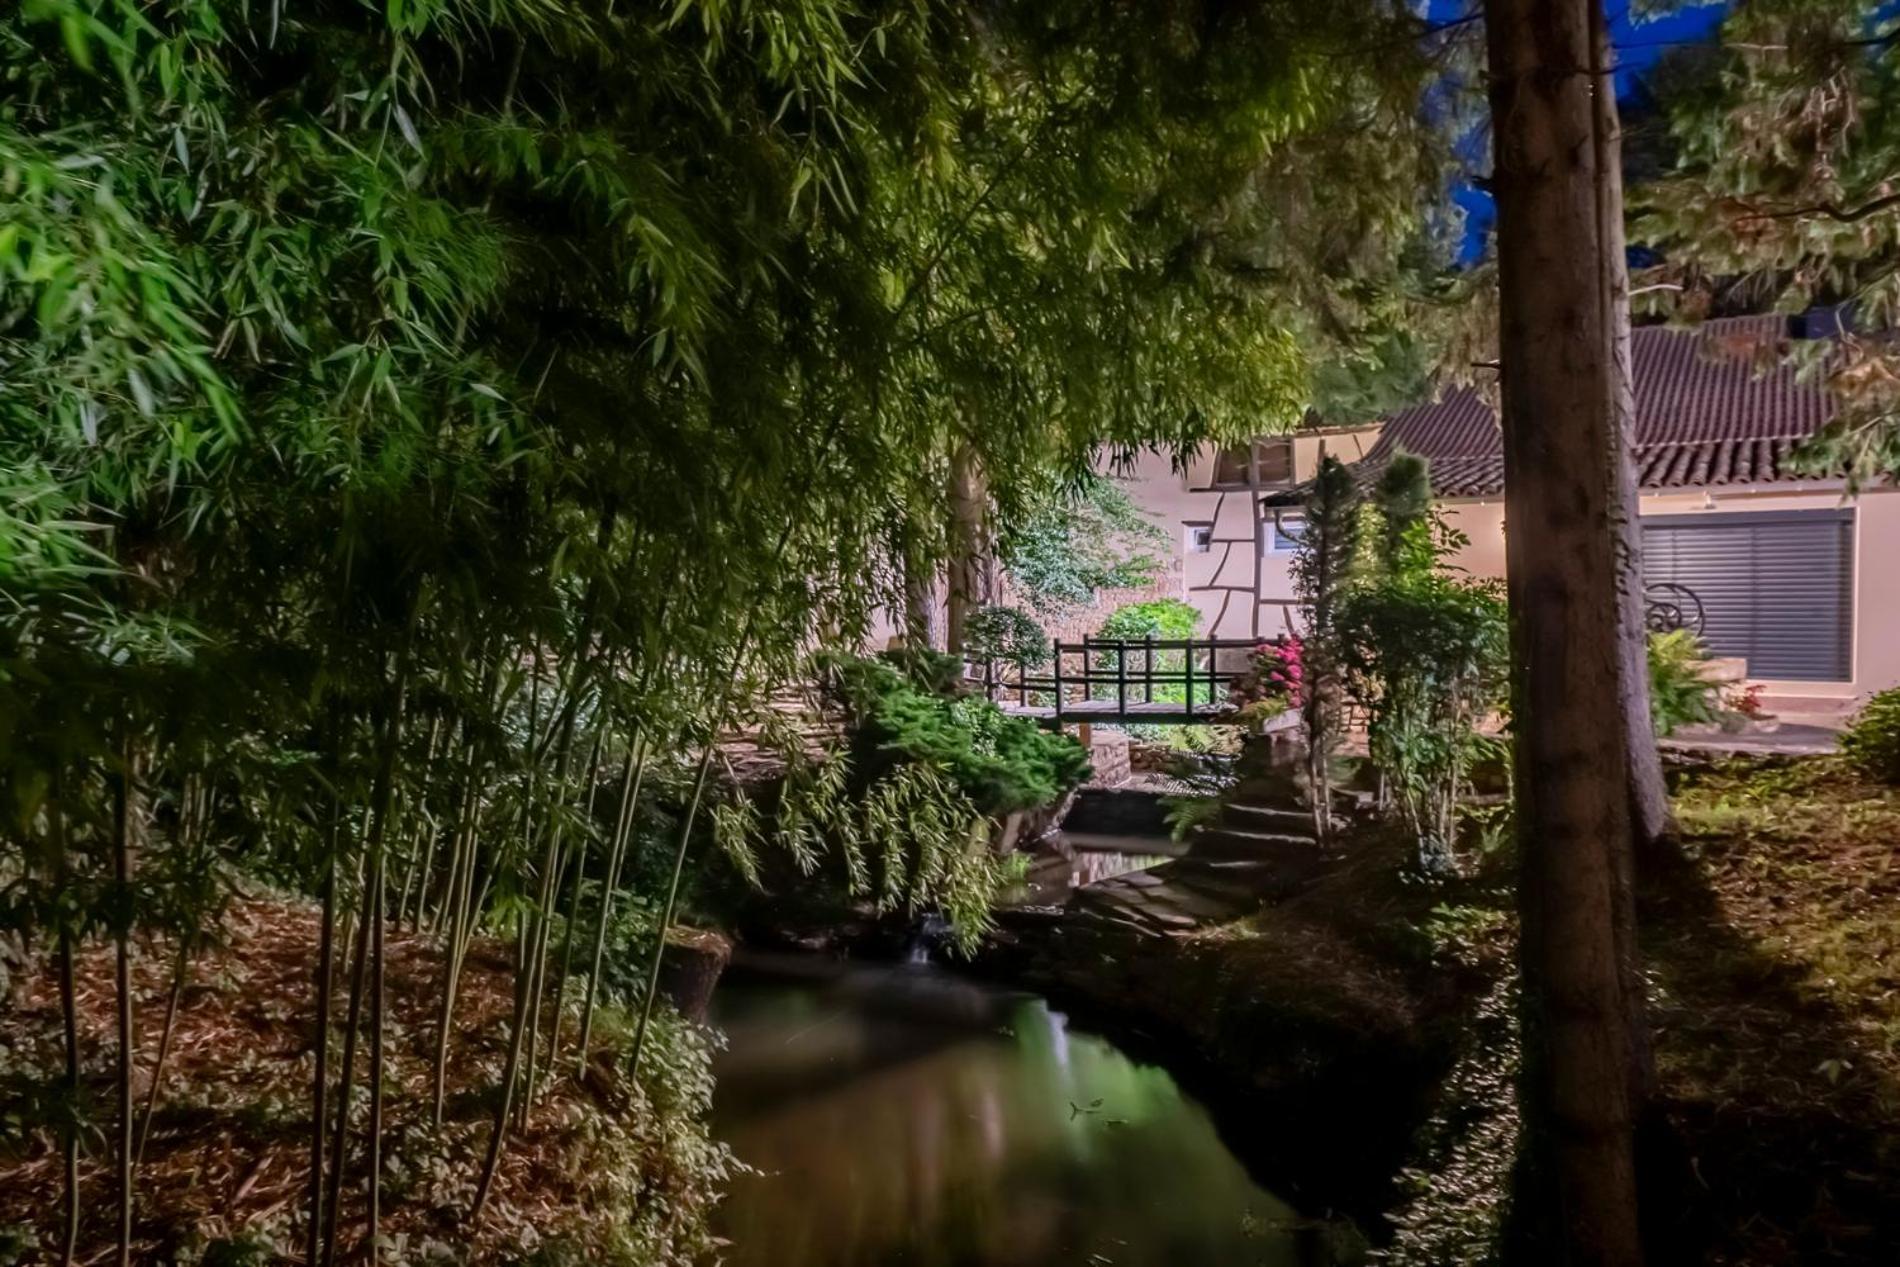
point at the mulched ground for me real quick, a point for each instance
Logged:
(227, 1158)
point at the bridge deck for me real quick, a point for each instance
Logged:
(1157, 713)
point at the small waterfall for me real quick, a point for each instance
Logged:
(930, 933)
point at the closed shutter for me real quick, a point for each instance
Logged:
(1777, 587)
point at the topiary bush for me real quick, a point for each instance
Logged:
(1005, 633)
(1872, 742)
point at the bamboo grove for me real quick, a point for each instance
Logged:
(426, 427)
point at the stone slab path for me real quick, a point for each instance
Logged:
(1255, 851)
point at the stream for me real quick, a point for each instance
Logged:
(905, 1114)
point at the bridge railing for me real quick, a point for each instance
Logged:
(1122, 679)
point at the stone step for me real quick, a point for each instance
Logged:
(1241, 879)
(1278, 819)
(1229, 842)
(1123, 921)
(1163, 901)
(1196, 906)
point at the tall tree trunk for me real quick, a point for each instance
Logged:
(923, 626)
(194, 810)
(551, 880)
(416, 869)
(1576, 1202)
(1650, 819)
(967, 547)
(510, 1075)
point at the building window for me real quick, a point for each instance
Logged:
(1234, 467)
(1281, 534)
(1200, 538)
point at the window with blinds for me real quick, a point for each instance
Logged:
(1776, 587)
(1234, 468)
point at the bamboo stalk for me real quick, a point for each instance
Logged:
(346, 1079)
(69, 1023)
(378, 835)
(130, 836)
(194, 809)
(320, 1082)
(69, 1016)
(510, 1071)
(672, 901)
(180, 969)
(456, 898)
(557, 854)
(377, 924)
(574, 898)
(630, 782)
(417, 868)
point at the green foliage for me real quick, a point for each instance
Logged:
(1680, 692)
(1164, 618)
(1161, 618)
(405, 401)
(1872, 742)
(246, 1249)
(1001, 763)
(907, 839)
(1404, 502)
(933, 672)
(1373, 376)
(1421, 649)
(1324, 567)
(1073, 542)
(1426, 657)
(18, 1245)
(1424, 652)
(1186, 815)
(1776, 194)
(1009, 634)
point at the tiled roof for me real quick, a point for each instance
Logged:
(1715, 405)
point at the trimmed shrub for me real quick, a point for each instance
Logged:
(1872, 743)
(1003, 633)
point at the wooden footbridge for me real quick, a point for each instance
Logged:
(1156, 681)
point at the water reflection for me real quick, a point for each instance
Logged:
(1070, 861)
(907, 1116)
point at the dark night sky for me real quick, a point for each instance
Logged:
(1638, 43)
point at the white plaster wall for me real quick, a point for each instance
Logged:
(1876, 567)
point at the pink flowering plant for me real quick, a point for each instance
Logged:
(1271, 685)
